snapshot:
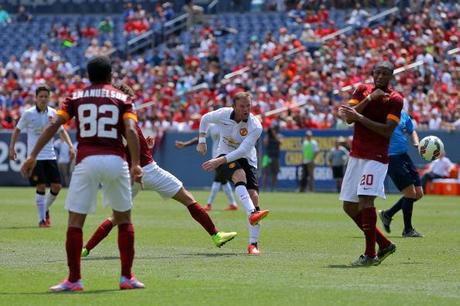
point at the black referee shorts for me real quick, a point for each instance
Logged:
(45, 172)
(402, 171)
(226, 171)
(337, 172)
(218, 177)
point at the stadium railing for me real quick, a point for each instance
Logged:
(296, 50)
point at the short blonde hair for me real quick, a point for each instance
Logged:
(242, 95)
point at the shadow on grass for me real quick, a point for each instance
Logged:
(102, 258)
(388, 236)
(211, 254)
(185, 255)
(341, 267)
(19, 227)
(67, 292)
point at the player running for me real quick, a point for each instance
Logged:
(103, 115)
(46, 172)
(237, 157)
(218, 181)
(167, 185)
(375, 110)
(402, 171)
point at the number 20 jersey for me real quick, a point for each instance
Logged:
(99, 111)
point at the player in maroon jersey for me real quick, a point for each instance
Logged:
(375, 110)
(103, 115)
(167, 185)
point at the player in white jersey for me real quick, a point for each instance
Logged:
(218, 181)
(33, 122)
(237, 157)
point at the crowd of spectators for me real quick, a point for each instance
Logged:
(177, 86)
(138, 20)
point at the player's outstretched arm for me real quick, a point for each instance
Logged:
(188, 143)
(14, 138)
(65, 136)
(44, 138)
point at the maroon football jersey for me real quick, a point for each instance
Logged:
(145, 157)
(367, 144)
(99, 111)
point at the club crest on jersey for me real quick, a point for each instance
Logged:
(243, 132)
(231, 165)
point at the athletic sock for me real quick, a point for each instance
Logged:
(395, 208)
(407, 208)
(382, 241)
(41, 208)
(126, 247)
(229, 192)
(369, 221)
(242, 193)
(50, 198)
(73, 246)
(254, 232)
(214, 190)
(101, 232)
(201, 216)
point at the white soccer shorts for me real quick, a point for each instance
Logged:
(363, 177)
(157, 179)
(110, 171)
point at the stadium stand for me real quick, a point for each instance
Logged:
(287, 57)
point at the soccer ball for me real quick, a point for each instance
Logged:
(430, 148)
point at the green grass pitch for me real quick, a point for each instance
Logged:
(307, 244)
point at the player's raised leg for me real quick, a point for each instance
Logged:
(201, 216)
(241, 190)
(101, 232)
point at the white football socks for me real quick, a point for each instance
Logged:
(41, 207)
(214, 190)
(229, 192)
(254, 232)
(242, 193)
(50, 198)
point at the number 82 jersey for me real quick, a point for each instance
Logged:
(99, 111)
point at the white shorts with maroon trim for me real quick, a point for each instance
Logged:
(111, 172)
(363, 177)
(157, 179)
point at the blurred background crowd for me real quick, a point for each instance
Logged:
(299, 59)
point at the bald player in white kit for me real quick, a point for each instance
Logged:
(237, 157)
(214, 133)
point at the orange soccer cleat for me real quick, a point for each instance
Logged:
(48, 218)
(208, 207)
(43, 224)
(257, 216)
(253, 249)
(231, 207)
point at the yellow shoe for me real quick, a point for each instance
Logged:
(222, 238)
